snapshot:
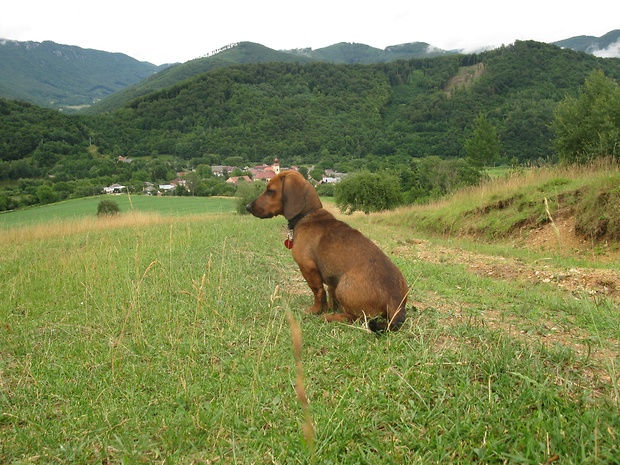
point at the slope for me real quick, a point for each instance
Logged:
(244, 52)
(64, 76)
(248, 52)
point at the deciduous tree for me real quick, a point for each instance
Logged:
(588, 126)
(482, 149)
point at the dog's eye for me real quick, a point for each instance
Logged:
(269, 192)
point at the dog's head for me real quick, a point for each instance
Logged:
(288, 194)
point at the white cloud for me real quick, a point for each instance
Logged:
(613, 51)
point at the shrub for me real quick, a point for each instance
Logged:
(246, 193)
(367, 192)
(108, 208)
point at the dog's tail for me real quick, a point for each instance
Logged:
(394, 321)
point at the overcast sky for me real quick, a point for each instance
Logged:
(180, 30)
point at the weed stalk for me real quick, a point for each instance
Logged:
(307, 426)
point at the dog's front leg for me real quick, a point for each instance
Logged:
(332, 302)
(315, 281)
(320, 300)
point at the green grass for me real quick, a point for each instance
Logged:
(87, 207)
(165, 339)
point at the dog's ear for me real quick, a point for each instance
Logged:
(298, 196)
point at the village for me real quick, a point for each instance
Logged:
(262, 173)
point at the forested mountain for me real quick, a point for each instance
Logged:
(70, 78)
(248, 52)
(64, 76)
(320, 111)
(241, 53)
(406, 115)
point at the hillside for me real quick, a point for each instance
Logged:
(63, 76)
(341, 53)
(569, 211)
(336, 113)
(248, 52)
(242, 53)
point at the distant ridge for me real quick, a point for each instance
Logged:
(65, 76)
(606, 46)
(350, 53)
(71, 78)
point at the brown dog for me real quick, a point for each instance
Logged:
(360, 278)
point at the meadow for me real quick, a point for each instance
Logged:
(169, 338)
(87, 207)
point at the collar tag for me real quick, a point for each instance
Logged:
(288, 243)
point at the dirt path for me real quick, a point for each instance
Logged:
(588, 283)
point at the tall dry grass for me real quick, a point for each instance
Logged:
(502, 206)
(70, 227)
(522, 178)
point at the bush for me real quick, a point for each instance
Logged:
(246, 193)
(108, 208)
(367, 192)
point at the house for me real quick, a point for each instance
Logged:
(221, 170)
(235, 180)
(331, 176)
(262, 175)
(149, 189)
(172, 185)
(114, 189)
(167, 187)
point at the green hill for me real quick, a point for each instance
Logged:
(331, 113)
(71, 78)
(63, 76)
(248, 52)
(244, 52)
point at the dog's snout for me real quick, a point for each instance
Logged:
(248, 207)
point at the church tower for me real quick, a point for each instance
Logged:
(276, 166)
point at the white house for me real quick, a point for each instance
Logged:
(114, 189)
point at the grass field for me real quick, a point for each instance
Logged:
(153, 338)
(87, 207)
